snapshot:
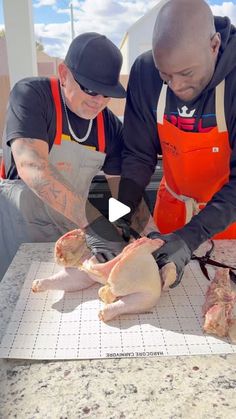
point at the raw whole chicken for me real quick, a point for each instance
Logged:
(131, 281)
(218, 307)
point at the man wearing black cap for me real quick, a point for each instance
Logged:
(58, 136)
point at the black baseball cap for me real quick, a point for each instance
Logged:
(95, 63)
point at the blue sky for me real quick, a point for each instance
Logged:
(111, 17)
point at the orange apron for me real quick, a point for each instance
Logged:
(2, 170)
(195, 167)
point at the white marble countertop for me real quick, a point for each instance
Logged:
(166, 387)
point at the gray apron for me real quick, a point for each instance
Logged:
(25, 218)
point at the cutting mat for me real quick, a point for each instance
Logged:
(58, 325)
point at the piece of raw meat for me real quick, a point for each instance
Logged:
(219, 305)
(70, 249)
(132, 282)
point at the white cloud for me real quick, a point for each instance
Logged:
(42, 3)
(225, 9)
(109, 17)
(54, 37)
(103, 7)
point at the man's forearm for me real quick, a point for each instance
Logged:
(59, 194)
(150, 226)
(113, 182)
(142, 220)
(49, 185)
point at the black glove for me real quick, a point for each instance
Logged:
(103, 239)
(175, 249)
(124, 225)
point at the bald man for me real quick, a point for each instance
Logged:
(181, 103)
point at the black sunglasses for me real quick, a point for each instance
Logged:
(90, 92)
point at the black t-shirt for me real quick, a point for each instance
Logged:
(31, 113)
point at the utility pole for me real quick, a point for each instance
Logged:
(72, 21)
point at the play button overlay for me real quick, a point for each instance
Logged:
(116, 210)
(100, 197)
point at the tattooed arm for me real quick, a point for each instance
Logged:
(113, 183)
(34, 168)
(142, 220)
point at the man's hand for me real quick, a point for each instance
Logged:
(103, 239)
(173, 250)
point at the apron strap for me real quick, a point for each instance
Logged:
(220, 108)
(101, 133)
(2, 170)
(192, 207)
(161, 104)
(57, 103)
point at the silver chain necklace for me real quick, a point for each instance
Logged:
(80, 140)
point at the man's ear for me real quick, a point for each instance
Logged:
(62, 71)
(215, 43)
